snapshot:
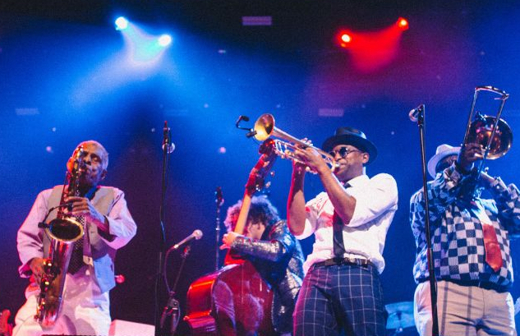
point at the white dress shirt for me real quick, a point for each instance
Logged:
(365, 235)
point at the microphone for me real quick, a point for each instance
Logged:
(197, 234)
(245, 118)
(414, 113)
(170, 146)
(240, 118)
(251, 132)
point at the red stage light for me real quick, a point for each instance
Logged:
(402, 23)
(345, 38)
(372, 50)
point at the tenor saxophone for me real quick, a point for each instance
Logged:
(63, 231)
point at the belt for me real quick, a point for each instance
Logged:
(343, 261)
(476, 283)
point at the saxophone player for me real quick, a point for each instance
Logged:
(107, 226)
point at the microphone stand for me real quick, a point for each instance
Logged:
(219, 200)
(172, 309)
(166, 147)
(431, 269)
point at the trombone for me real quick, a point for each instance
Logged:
(264, 128)
(492, 133)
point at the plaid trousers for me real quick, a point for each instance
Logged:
(338, 298)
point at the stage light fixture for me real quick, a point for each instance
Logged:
(402, 23)
(121, 23)
(343, 38)
(346, 38)
(165, 40)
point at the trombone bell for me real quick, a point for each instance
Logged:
(481, 130)
(491, 133)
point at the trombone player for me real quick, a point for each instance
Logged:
(471, 249)
(108, 226)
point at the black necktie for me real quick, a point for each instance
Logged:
(337, 226)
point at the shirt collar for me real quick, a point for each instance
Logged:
(357, 181)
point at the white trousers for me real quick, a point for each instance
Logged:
(85, 310)
(464, 311)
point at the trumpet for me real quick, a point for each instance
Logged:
(492, 133)
(265, 128)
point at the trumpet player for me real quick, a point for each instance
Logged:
(341, 290)
(470, 242)
(107, 226)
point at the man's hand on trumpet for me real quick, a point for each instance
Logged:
(310, 158)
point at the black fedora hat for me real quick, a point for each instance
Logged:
(351, 136)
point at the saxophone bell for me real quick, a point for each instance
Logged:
(66, 229)
(62, 231)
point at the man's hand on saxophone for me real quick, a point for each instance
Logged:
(37, 268)
(81, 206)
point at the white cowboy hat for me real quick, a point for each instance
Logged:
(441, 152)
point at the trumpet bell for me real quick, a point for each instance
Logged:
(286, 144)
(480, 132)
(264, 127)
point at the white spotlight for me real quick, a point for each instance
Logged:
(165, 40)
(121, 23)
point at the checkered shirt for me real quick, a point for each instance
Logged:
(456, 232)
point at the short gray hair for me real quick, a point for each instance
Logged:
(104, 159)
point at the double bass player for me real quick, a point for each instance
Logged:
(275, 253)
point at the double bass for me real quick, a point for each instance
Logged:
(235, 300)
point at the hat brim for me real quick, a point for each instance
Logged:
(354, 140)
(432, 163)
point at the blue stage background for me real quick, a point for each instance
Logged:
(64, 78)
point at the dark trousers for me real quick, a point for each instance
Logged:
(338, 298)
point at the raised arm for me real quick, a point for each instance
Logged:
(296, 214)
